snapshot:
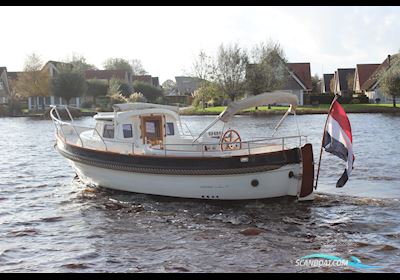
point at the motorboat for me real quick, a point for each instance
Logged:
(145, 148)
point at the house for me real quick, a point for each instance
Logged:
(187, 85)
(299, 81)
(107, 75)
(143, 78)
(344, 81)
(363, 72)
(4, 86)
(371, 86)
(148, 79)
(155, 81)
(327, 80)
(53, 68)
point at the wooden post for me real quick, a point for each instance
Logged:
(323, 138)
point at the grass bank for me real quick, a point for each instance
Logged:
(263, 110)
(301, 110)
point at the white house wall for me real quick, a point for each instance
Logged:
(373, 95)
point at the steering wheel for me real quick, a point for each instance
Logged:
(231, 140)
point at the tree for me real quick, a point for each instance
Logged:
(96, 88)
(14, 105)
(169, 86)
(316, 86)
(229, 70)
(350, 82)
(114, 93)
(208, 92)
(79, 63)
(269, 69)
(203, 67)
(332, 85)
(151, 93)
(137, 67)
(389, 82)
(68, 84)
(123, 87)
(136, 97)
(117, 64)
(33, 81)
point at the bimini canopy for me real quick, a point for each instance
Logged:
(281, 97)
(142, 106)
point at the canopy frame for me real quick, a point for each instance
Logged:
(265, 98)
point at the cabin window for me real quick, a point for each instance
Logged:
(153, 129)
(108, 131)
(170, 128)
(127, 130)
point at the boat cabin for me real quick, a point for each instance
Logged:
(155, 129)
(140, 128)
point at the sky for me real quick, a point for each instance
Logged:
(168, 39)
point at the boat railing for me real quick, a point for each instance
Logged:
(69, 131)
(246, 147)
(71, 134)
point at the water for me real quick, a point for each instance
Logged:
(50, 222)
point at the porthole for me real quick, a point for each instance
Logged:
(254, 182)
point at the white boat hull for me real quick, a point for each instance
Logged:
(273, 183)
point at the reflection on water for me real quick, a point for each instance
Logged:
(51, 222)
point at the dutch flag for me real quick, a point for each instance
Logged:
(338, 139)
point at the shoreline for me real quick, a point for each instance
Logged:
(301, 111)
(258, 113)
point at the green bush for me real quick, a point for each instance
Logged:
(151, 93)
(117, 98)
(136, 97)
(96, 88)
(68, 85)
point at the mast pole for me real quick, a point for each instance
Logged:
(323, 139)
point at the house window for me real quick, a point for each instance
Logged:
(170, 128)
(127, 130)
(108, 131)
(1, 85)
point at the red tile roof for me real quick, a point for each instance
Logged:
(303, 72)
(365, 71)
(143, 78)
(105, 74)
(379, 70)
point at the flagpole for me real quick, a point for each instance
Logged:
(323, 138)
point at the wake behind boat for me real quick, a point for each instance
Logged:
(142, 147)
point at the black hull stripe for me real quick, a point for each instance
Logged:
(226, 166)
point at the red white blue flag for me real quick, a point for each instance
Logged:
(338, 139)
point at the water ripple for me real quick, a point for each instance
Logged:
(50, 222)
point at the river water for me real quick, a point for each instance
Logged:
(50, 222)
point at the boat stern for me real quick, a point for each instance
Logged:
(307, 182)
